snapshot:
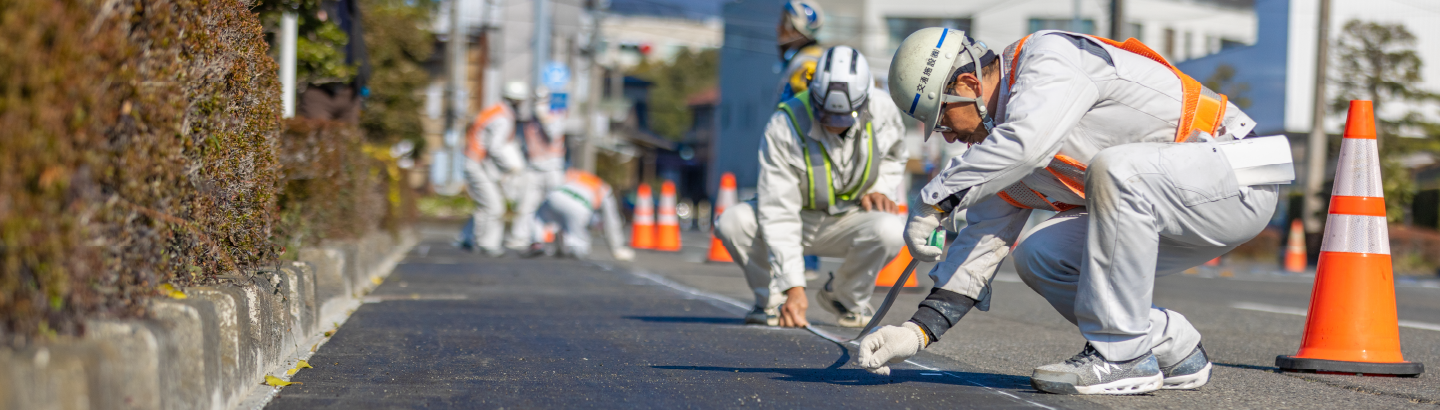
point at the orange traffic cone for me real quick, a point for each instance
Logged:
(892, 271)
(667, 225)
(642, 229)
(1352, 326)
(723, 199)
(1295, 249)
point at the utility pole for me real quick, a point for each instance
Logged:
(1316, 149)
(455, 117)
(1117, 20)
(541, 41)
(289, 32)
(586, 158)
(1075, 19)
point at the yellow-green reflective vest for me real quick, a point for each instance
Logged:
(818, 186)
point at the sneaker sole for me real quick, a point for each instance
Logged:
(1189, 381)
(1134, 385)
(846, 323)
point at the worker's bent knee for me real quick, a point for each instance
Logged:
(736, 222)
(891, 231)
(1038, 259)
(883, 230)
(1119, 163)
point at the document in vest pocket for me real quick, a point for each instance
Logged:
(1260, 160)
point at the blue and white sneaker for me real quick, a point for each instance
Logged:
(1090, 373)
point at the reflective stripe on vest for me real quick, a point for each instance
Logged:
(818, 187)
(474, 148)
(584, 186)
(1202, 111)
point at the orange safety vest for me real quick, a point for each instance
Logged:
(474, 147)
(594, 188)
(537, 147)
(1202, 111)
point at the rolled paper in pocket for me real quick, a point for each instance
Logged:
(1260, 160)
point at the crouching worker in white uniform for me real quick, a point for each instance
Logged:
(828, 157)
(571, 207)
(1132, 154)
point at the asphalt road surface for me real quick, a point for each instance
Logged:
(456, 330)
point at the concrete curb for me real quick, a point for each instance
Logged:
(210, 350)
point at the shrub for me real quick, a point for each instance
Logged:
(140, 149)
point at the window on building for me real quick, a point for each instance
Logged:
(1189, 49)
(901, 27)
(1134, 30)
(1170, 43)
(1087, 26)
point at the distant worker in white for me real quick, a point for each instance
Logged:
(545, 168)
(571, 207)
(796, 38)
(828, 159)
(1131, 153)
(492, 160)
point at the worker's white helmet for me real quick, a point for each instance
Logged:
(841, 87)
(516, 90)
(805, 16)
(925, 63)
(542, 92)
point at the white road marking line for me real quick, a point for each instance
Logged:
(746, 308)
(1258, 307)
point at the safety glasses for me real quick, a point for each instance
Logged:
(837, 119)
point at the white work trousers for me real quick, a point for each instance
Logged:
(538, 185)
(487, 224)
(867, 241)
(1151, 209)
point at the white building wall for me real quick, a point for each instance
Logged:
(862, 23)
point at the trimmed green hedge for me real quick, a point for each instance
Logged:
(141, 147)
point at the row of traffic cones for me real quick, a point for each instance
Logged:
(648, 231)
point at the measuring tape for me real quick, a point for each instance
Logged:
(936, 239)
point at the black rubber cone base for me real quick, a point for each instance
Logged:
(1300, 364)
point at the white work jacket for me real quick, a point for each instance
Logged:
(1066, 99)
(500, 145)
(779, 200)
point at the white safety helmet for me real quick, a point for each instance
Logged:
(516, 90)
(925, 63)
(805, 16)
(542, 92)
(841, 87)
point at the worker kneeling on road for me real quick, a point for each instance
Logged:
(572, 206)
(1123, 146)
(828, 157)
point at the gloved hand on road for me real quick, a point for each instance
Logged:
(623, 254)
(890, 344)
(923, 221)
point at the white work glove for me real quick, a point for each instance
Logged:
(890, 344)
(923, 221)
(623, 254)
